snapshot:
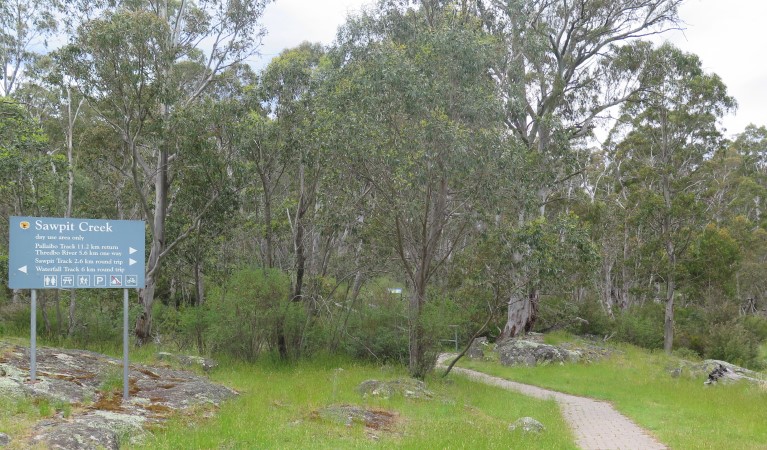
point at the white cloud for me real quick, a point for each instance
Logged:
(729, 39)
(291, 22)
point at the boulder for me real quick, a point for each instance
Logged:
(188, 360)
(523, 352)
(406, 387)
(726, 372)
(351, 414)
(4, 439)
(477, 348)
(93, 430)
(714, 371)
(528, 425)
(88, 379)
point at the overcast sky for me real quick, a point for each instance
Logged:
(728, 36)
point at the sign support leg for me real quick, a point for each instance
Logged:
(126, 341)
(33, 338)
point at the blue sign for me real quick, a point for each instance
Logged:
(57, 253)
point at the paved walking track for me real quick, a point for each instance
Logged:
(595, 424)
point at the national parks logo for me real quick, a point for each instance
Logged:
(24, 225)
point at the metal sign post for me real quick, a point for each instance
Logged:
(33, 338)
(67, 253)
(126, 342)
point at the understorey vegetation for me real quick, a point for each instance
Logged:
(443, 170)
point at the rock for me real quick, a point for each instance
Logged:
(407, 387)
(375, 388)
(715, 370)
(477, 348)
(4, 439)
(516, 351)
(589, 349)
(86, 378)
(528, 425)
(349, 414)
(189, 360)
(93, 430)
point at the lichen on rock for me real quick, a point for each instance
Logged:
(104, 420)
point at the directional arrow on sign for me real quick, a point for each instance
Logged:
(131, 250)
(23, 269)
(131, 261)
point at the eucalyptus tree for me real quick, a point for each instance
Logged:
(751, 147)
(670, 128)
(736, 198)
(288, 85)
(567, 64)
(416, 123)
(31, 174)
(61, 111)
(141, 65)
(25, 27)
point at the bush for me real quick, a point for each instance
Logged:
(377, 328)
(642, 326)
(756, 325)
(599, 323)
(249, 314)
(734, 343)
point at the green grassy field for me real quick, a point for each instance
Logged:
(277, 405)
(278, 409)
(682, 412)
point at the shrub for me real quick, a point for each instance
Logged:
(734, 343)
(642, 325)
(249, 313)
(377, 328)
(597, 321)
(756, 325)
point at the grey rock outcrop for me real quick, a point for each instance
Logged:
(477, 348)
(4, 439)
(523, 352)
(87, 379)
(188, 360)
(715, 371)
(406, 387)
(349, 415)
(528, 425)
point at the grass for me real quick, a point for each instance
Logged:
(682, 412)
(277, 404)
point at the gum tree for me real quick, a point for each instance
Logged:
(141, 65)
(670, 128)
(416, 124)
(566, 64)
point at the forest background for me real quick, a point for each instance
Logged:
(434, 172)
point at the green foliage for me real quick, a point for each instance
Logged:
(248, 312)
(377, 328)
(111, 380)
(714, 330)
(713, 262)
(599, 323)
(734, 343)
(31, 174)
(558, 248)
(642, 326)
(756, 325)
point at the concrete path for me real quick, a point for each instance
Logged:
(595, 424)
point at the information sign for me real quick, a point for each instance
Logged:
(58, 253)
